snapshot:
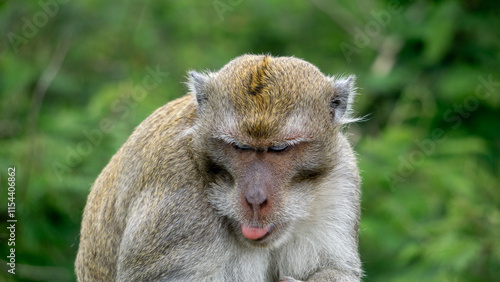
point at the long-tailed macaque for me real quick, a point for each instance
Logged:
(247, 178)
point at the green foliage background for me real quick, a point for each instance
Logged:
(428, 77)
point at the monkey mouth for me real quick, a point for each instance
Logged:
(257, 233)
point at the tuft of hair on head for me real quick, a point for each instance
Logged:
(259, 76)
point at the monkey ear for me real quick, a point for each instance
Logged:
(341, 102)
(197, 83)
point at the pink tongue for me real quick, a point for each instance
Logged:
(253, 233)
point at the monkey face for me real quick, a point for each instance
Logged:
(264, 191)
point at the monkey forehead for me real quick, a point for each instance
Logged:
(274, 120)
(295, 129)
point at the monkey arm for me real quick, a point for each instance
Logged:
(179, 242)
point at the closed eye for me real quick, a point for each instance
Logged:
(279, 148)
(242, 147)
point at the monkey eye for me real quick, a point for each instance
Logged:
(279, 148)
(242, 147)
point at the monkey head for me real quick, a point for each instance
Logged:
(268, 141)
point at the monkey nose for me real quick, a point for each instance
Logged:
(256, 199)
